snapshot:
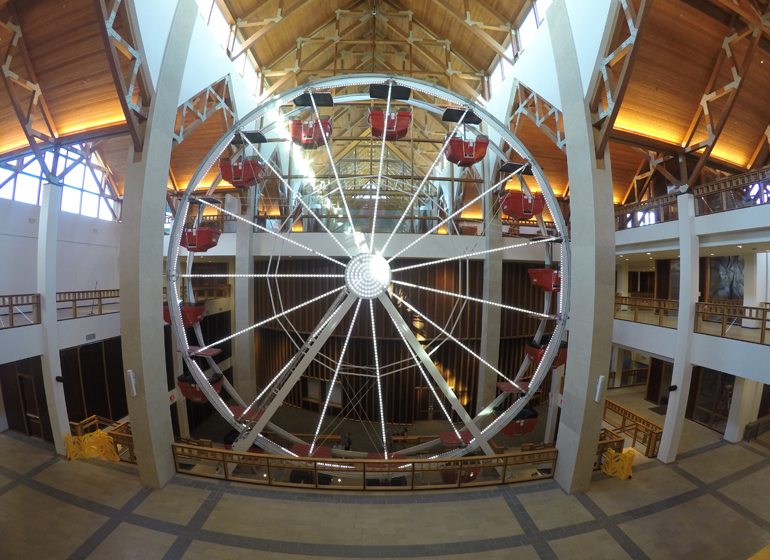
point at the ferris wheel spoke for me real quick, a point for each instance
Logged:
(276, 275)
(476, 254)
(379, 169)
(333, 166)
(268, 320)
(458, 342)
(477, 300)
(424, 180)
(425, 363)
(274, 233)
(296, 193)
(377, 373)
(334, 377)
(452, 215)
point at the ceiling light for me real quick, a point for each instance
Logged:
(740, 246)
(649, 253)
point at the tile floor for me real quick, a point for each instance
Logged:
(712, 504)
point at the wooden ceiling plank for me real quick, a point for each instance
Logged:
(762, 145)
(265, 26)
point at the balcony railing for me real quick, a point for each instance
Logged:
(660, 312)
(364, 474)
(731, 193)
(738, 322)
(19, 310)
(626, 423)
(72, 305)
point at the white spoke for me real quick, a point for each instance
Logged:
(424, 180)
(266, 321)
(477, 300)
(377, 373)
(379, 170)
(291, 361)
(334, 378)
(452, 215)
(418, 363)
(476, 254)
(296, 193)
(261, 276)
(460, 344)
(334, 167)
(278, 235)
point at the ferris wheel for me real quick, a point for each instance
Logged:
(352, 258)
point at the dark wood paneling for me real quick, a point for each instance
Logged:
(73, 387)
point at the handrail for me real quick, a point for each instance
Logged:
(26, 305)
(752, 322)
(363, 474)
(647, 212)
(642, 430)
(96, 305)
(650, 311)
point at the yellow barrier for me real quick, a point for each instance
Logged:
(618, 464)
(95, 444)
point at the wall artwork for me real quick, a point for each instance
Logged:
(726, 278)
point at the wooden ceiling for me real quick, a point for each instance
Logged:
(676, 62)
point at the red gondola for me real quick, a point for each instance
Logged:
(191, 314)
(522, 206)
(466, 152)
(201, 239)
(546, 278)
(309, 135)
(535, 353)
(397, 125)
(242, 173)
(192, 392)
(523, 424)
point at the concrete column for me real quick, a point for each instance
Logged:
(3, 416)
(621, 281)
(744, 407)
(593, 267)
(681, 375)
(616, 365)
(554, 404)
(141, 263)
(490, 315)
(244, 361)
(47, 254)
(755, 288)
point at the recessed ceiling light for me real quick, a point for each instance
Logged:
(649, 253)
(711, 254)
(740, 246)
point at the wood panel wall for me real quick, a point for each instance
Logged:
(24, 398)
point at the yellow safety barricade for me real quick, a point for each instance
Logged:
(95, 444)
(618, 464)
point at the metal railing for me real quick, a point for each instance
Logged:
(651, 311)
(738, 322)
(648, 212)
(626, 423)
(732, 193)
(363, 474)
(87, 303)
(120, 432)
(19, 310)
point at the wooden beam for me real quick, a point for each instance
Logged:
(625, 53)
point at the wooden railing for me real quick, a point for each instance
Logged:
(87, 303)
(756, 428)
(120, 432)
(628, 423)
(19, 310)
(364, 474)
(607, 440)
(732, 193)
(739, 322)
(660, 312)
(648, 212)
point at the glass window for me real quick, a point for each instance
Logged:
(219, 26)
(104, 210)
(496, 77)
(527, 30)
(6, 191)
(90, 205)
(74, 177)
(70, 200)
(26, 188)
(90, 184)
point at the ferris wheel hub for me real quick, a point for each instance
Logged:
(367, 275)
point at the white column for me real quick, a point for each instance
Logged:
(755, 288)
(47, 254)
(593, 267)
(554, 404)
(490, 316)
(141, 264)
(621, 276)
(681, 375)
(744, 407)
(244, 360)
(616, 365)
